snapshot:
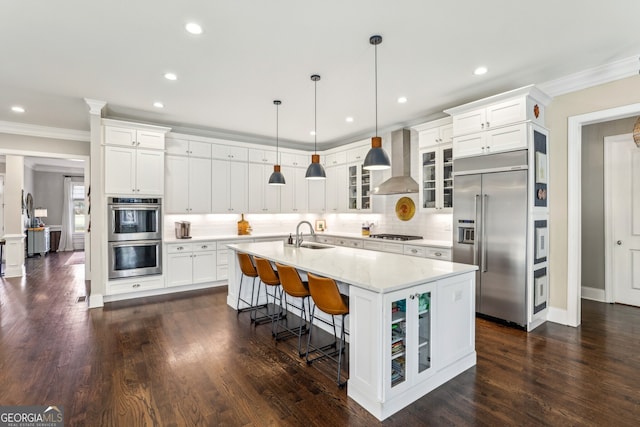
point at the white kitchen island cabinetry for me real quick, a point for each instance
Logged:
(438, 333)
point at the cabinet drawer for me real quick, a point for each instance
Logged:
(204, 246)
(439, 253)
(135, 285)
(177, 248)
(326, 239)
(420, 251)
(383, 247)
(353, 243)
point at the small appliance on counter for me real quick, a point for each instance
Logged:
(244, 229)
(183, 230)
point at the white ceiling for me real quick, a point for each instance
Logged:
(55, 53)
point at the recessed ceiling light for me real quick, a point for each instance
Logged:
(480, 71)
(158, 104)
(17, 109)
(193, 28)
(313, 132)
(170, 76)
(349, 119)
(402, 100)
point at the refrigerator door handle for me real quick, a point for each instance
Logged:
(475, 240)
(483, 213)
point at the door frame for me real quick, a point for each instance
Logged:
(574, 200)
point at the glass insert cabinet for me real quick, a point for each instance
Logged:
(410, 337)
(436, 183)
(359, 187)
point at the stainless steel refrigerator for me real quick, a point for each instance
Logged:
(490, 230)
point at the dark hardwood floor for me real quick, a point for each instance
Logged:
(187, 359)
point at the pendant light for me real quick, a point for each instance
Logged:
(376, 158)
(277, 178)
(315, 169)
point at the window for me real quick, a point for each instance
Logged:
(77, 194)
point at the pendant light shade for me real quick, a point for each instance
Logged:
(315, 169)
(277, 178)
(377, 158)
(636, 133)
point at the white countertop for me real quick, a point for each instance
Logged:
(375, 271)
(422, 242)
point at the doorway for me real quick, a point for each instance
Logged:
(622, 214)
(574, 201)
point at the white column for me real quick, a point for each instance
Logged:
(97, 236)
(14, 216)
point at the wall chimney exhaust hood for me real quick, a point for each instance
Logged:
(400, 181)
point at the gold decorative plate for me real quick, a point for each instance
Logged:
(405, 208)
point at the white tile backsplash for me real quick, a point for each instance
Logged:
(429, 226)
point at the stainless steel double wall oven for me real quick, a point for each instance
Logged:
(135, 236)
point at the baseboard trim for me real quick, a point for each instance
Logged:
(593, 294)
(558, 315)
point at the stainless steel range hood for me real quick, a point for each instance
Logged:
(400, 181)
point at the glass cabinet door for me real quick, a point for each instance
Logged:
(447, 178)
(429, 179)
(353, 187)
(366, 188)
(398, 342)
(424, 331)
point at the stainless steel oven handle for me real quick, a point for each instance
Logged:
(134, 207)
(484, 234)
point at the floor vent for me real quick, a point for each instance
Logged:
(83, 298)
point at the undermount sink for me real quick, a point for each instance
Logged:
(315, 246)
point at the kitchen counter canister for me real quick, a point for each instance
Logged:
(411, 320)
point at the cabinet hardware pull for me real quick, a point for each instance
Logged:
(136, 285)
(438, 254)
(482, 126)
(487, 124)
(412, 296)
(414, 251)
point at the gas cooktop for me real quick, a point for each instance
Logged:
(400, 237)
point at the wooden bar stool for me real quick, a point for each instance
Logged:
(270, 278)
(327, 297)
(248, 270)
(293, 286)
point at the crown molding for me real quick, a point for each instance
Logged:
(584, 79)
(43, 131)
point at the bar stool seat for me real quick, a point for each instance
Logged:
(269, 277)
(248, 270)
(327, 297)
(293, 286)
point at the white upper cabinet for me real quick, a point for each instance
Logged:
(263, 198)
(294, 160)
(262, 156)
(187, 185)
(497, 123)
(229, 152)
(436, 136)
(134, 158)
(229, 186)
(333, 159)
(183, 147)
(294, 192)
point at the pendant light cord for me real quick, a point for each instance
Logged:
(277, 144)
(315, 116)
(376, 89)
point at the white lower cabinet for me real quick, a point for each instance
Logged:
(352, 243)
(222, 261)
(143, 283)
(191, 263)
(405, 343)
(395, 248)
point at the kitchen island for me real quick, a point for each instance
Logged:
(411, 323)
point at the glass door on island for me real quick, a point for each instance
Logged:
(398, 342)
(410, 337)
